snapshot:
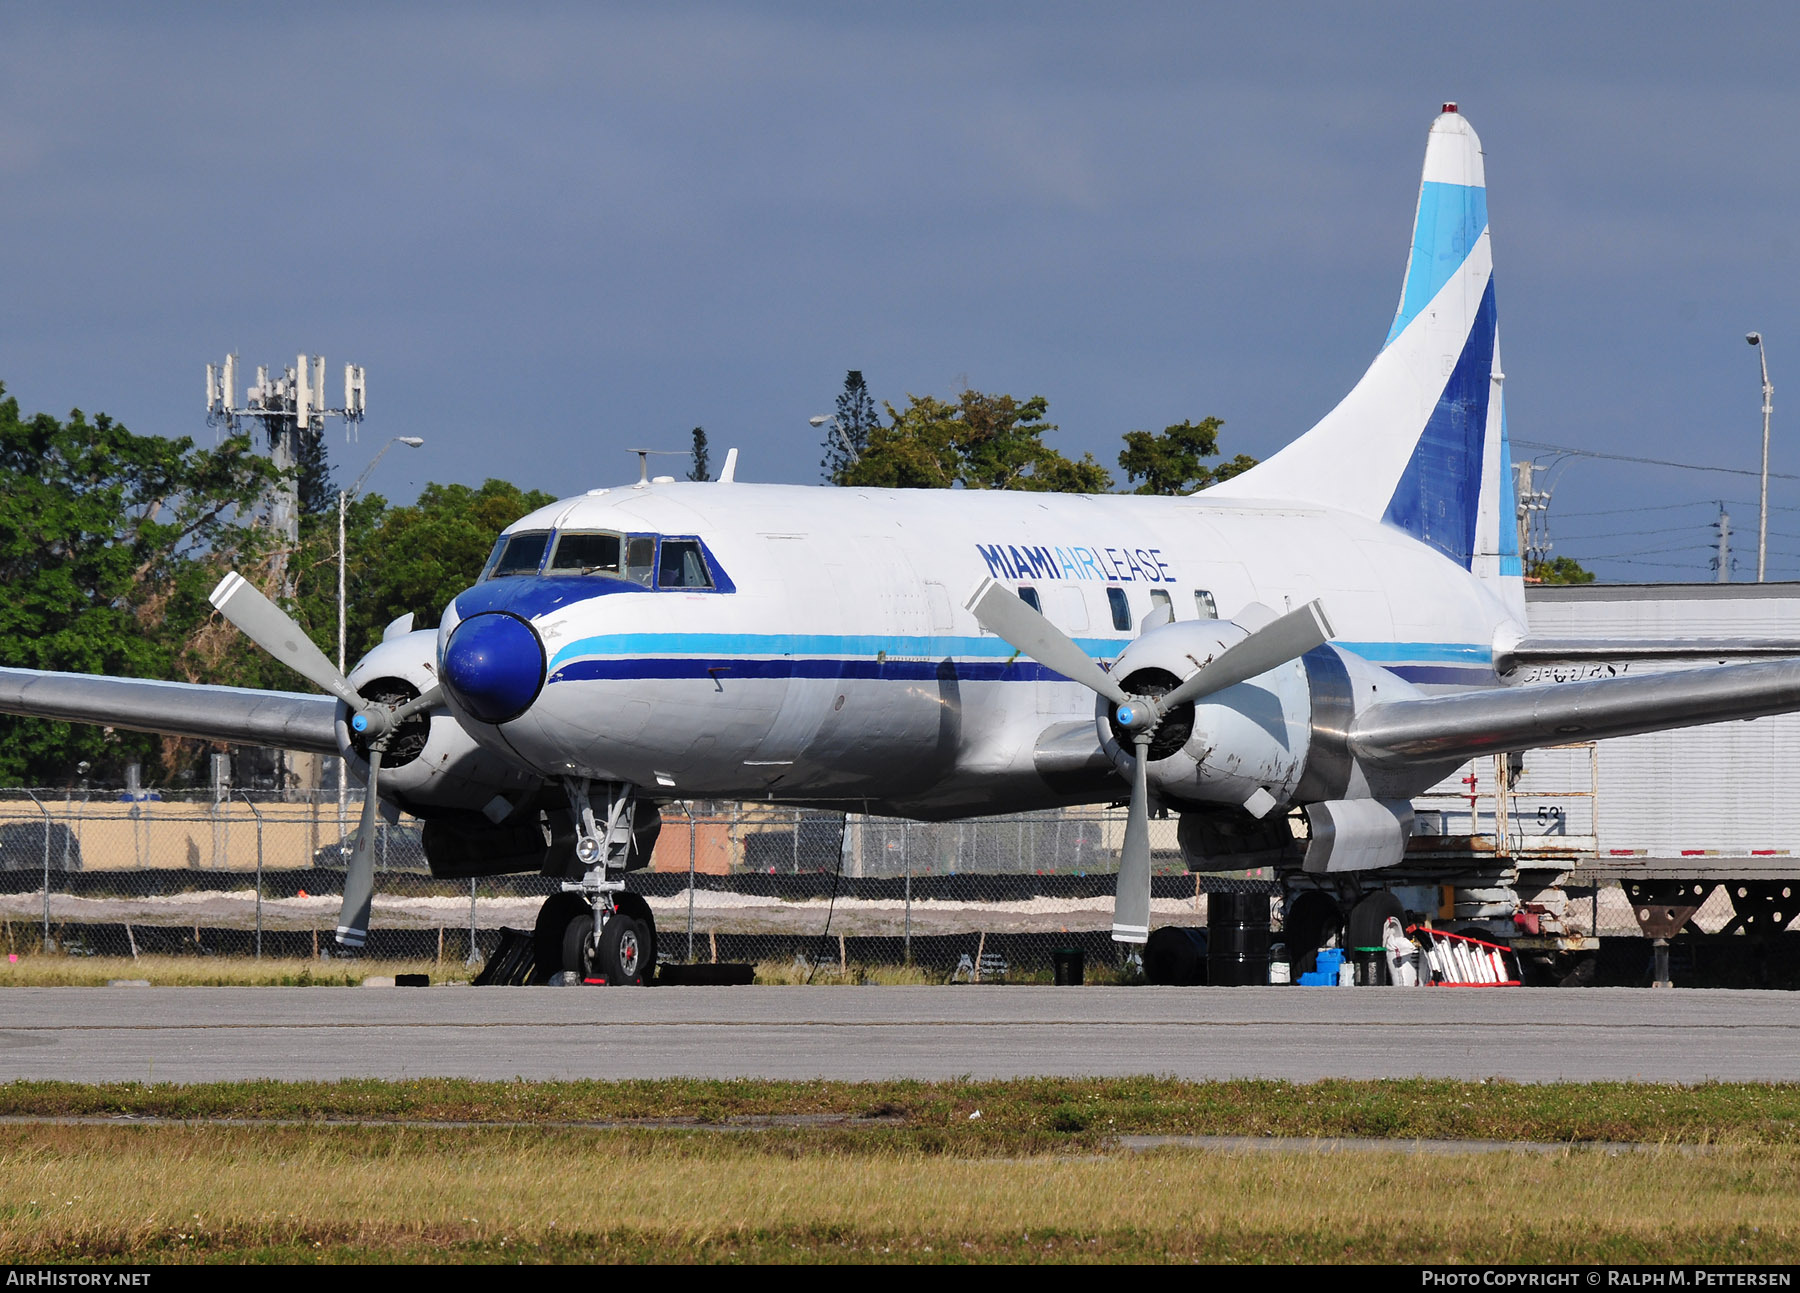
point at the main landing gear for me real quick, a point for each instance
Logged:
(594, 928)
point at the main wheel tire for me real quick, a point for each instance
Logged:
(634, 906)
(622, 958)
(548, 937)
(1362, 928)
(1312, 918)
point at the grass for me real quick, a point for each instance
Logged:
(1024, 1116)
(442, 1170)
(60, 971)
(209, 1193)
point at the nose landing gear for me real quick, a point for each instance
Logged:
(594, 927)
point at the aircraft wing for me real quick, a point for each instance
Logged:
(1461, 726)
(1545, 650)
(239, 715)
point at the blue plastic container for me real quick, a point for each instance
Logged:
(1326, 976)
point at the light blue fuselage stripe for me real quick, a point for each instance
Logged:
(728, 645)
(1451, 218)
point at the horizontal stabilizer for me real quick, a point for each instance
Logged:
(1444, 728)
(237, 715)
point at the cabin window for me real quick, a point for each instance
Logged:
(586, 554)
(1160, 597)
(640, 558)
(1029, 596)
(680, 565)
(1121, 609)
(1204, 603)
(519, 554)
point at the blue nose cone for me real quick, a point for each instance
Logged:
(493, 666)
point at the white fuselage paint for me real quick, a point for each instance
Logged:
(845, 669)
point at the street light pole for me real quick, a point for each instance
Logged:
(411, 442)
(1768, 392)
(843, 435)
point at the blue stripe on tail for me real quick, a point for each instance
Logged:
(1439, 493)
(1451, 218)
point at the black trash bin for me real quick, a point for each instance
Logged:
(1238, 929)
(1068, 963)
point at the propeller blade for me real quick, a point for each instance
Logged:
(1000, 612)
(1131, 899)
(1284, 639)
(359, 876)
(274, 630)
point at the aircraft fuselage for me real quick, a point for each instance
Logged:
(831, 659)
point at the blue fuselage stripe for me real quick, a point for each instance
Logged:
(721, 656)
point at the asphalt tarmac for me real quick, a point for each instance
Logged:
(861, 1033)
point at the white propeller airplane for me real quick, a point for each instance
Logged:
(937, 654)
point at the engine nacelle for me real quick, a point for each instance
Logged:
(432, 765)
(1282, 733)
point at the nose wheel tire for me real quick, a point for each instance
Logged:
(565, 926)
(548, 937)
(624, 953)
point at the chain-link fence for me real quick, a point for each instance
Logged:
(260, 873)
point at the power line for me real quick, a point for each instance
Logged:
(1650, 462)
(1660, 507)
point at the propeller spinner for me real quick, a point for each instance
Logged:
(1285, 638)
(275, 631)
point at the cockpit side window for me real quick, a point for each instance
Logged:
(586, 554)
(640, 558)
(519, 554)
(680, 565)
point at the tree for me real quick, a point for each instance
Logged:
(109, 543)
(980, 442)
(856, 421)
(1170, 462)
(415, 558)
(316, 490)
(700, 471)
(1559, 570)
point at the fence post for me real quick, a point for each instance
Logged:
(687, 807)
(906, 862)
(47, 820)
(471, 959)
(257, 813)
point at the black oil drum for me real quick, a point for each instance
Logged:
(1069, 966)
(1238, 939)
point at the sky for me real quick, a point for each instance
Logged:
(551, 233)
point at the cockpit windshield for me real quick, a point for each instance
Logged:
(586, 554)
(650, 560)
(518, 554)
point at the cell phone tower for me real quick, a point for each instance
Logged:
(291, 410)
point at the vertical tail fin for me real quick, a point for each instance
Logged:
(1420, 442)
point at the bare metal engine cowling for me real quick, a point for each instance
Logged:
(432, 765)
(1282, 732)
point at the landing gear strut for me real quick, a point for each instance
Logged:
(594, 927)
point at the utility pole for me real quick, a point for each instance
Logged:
(1533, 515)
(1723, 560)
